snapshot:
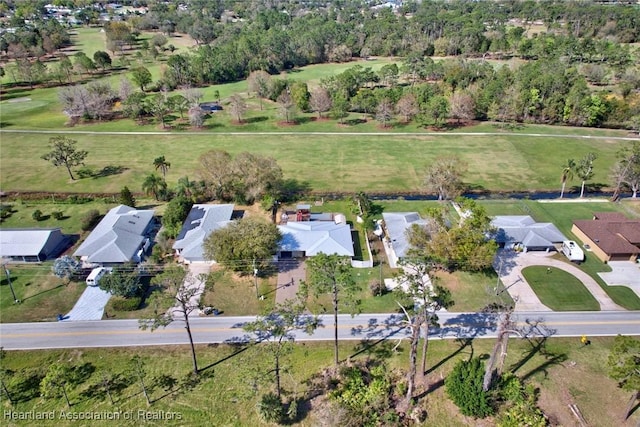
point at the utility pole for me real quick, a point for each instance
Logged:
(15, 299)
(255, 277)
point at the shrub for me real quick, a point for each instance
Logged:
(125, 304)
(85, 172)
(5, 211)
(78, 200)
(57, 215)
(270, 408)
(37, 215)
(377, 288)
(89, 220)
(464, 387)
(126, 197)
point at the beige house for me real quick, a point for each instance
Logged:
(610, 235)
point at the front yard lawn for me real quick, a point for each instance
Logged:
(559, 290)
(42, 295)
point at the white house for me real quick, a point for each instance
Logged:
(200, 223)
(309, 238)
(122, 236)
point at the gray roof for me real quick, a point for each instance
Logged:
(201, 221)
(314, 237)
(117, 237)
(523, 229)
(26, 241)
(397, 224)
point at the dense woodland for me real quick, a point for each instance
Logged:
(579, 62)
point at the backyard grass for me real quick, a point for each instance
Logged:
(559, 290)
(22, 216)
(42, 295)
(227, 393)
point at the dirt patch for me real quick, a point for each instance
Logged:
(449, 281)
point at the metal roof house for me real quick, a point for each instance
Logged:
(523, 230)
(309, 238)
(396, 225)
(122, 236)
(32, 244)
(200, 223)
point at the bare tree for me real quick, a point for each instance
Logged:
(407, 107)
(461, 106)
(237, 107)
(626, 172)
(215, 170)
(259, 82)
(125, 89)
(277, 328)
(428, 298)
(196, 116)
(384, 112)
(286, 106)
(444, 177)
(193, 95)
(183, 287)
(320, 101)
(584, 170)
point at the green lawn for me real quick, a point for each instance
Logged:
(559, 290)
(236, 296)
(328, 162)
(226, 395)
(562, 216)
(42, 296)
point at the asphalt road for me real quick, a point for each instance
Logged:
(125, 333)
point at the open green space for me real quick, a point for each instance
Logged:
(380, 163)
(559, 290)
(227, 384)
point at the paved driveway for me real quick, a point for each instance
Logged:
(509, 265)
(90, 305)
(290, 273)
(623, 273)
(192, 280)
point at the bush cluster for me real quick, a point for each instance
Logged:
(89, 220)
(126, 304)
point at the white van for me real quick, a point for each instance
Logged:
(571, 250)
(94, 277)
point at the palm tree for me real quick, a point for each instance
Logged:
(162, 164)
(154, 184)
(186, 188)
(567, 174)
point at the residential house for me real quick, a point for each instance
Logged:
(396, 225)
(123, 236)
(513, 231)
(200, 223)
(610, 236)
(321, 233)
(32, 244)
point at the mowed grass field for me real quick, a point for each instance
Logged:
(371, 163)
